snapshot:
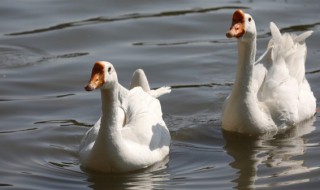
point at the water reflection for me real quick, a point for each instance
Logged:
(259, 160)
(146, 179)
(65, 136)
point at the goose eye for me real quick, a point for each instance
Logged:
(109, 69)
(249, 19)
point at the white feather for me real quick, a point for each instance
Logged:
(271, 93)
(130, 135)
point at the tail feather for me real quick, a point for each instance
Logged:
(275, 32)
(139, 79)
(291, 49)
(302, 37)
(160, 91)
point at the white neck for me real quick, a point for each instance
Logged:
(246, 59)
(109, 132)
(242, 111)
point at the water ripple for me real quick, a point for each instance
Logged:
(27, 98)
(16, 131)
(191, 42)
(5, 185)
(313, 71)
(18, 56)
(210, 85)
(300, 28)
(70, 122)
(290, 29)
(131, 16)
(293, 28)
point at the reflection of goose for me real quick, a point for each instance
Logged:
(272, 93)
(131, 133)
(270, 161)
(146, 179)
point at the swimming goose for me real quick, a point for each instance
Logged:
(272, 93)
(131, 134)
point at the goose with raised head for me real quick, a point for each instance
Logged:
(270, 94)
(131, 134)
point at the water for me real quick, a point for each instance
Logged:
(47, 49)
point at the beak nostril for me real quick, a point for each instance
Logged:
(89, 87)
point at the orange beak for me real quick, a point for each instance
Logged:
(237, 28)
(97, 77)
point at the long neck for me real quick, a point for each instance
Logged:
(246, 59)
(109, 129)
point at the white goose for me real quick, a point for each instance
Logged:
(272, 93)
(131, 134)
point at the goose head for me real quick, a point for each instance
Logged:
(103, 76)
(243, 26)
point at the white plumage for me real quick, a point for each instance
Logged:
(131, 134)
(272, 93)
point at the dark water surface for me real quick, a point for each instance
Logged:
(47, 49)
